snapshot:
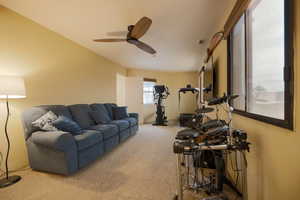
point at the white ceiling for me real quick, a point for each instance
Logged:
(177, 27)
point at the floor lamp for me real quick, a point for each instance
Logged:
(10, 88)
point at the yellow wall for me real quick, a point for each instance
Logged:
(121, 90)
(274, 160)
(174, 81)
(56, 71)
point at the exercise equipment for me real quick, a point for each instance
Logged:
(185, 118)
(188, 88)
(203, 153)
(161, 92)
(204, 110)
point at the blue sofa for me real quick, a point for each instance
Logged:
(61, 152)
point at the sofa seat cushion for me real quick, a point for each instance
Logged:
(122, 124)
(132, 121)
(108, 130)
(88, 138)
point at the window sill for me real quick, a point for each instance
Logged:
(276, 122)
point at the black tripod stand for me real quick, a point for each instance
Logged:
(161, 92)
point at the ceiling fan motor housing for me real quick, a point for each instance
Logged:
(130, 39)
(130, 28)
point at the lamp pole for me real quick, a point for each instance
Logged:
(8, 180)
(7, 138)
(11, 87)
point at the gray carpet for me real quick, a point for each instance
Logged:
(142, 168)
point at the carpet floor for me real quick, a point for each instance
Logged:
(142, 168)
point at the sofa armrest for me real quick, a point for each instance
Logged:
(134, 115)
(57, 140)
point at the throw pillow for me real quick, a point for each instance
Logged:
(45, 122)
(120, 112)
(65, 124)
(100, 118)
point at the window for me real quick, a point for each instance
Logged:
(260, 62)
(148, 91)
(238, 64)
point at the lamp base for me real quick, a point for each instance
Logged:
(5, 182)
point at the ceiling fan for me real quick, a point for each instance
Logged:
(135, 32)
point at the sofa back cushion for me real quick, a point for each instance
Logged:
(100, 113)
(109, 107)
(81, 115)
(29, 116)
(45, 122)
(58, 110)
(120, 112)
(32, 114)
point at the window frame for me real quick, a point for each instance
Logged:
(148, 80)
(288, 121)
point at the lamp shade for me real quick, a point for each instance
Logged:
(12, 87)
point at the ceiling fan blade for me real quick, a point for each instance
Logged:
(141, 27)
(145, 47)
(110, 40)
(117, 33)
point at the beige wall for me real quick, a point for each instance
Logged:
(174, 81)
(274, 160)
(121, 90)
(56, 71)
(134, 96)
